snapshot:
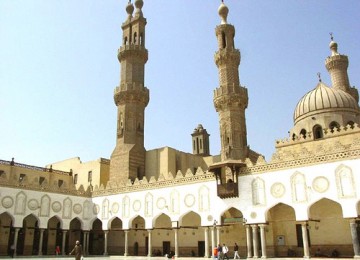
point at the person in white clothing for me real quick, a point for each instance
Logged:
(225, 250)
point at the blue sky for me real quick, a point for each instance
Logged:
(59, 67)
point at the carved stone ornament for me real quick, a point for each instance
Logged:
(253, 214)
(115, 207)
(189, 200)
(77, 208)
(33, 204)
(96, 209)
(277, 190)
(56, 206)
(320, 184)
(136, 205)
(161, 203)
(7, 202)
(210, 218)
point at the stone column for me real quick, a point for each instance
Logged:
(85, 248)
(355, 238)
(206, 237)
(176, 242)
(305, 239)
(41, 241)
(263, 240)
(16, 239)
(126, 242)
(212, 241)
(255, 240)
(218, 235)
(106, 232)
(64, 232)
(149, 243)
(248, 241)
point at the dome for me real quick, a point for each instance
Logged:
(324, 99)
(223, 12)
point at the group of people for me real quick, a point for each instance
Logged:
(221, 252)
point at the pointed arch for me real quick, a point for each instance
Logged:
(190, 219)
(20, 203)
(105, 209)
(162, 221)
(126, 207)
(45, 206)
(175, 202)
(204, 199)
(258, 192)
(149, 202)
(298, 187)
(345, 182)
(67, 208)
(87, 210)
(232, 215)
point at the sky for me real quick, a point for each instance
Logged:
(59, 68)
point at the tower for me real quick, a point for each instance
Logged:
(337, 65)
(200, 139)
(131, 97)
(230, 99)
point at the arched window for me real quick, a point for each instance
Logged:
(318, 132)
(303, 133)
(351, 124)
(135, 37)
(125, 40)
(293, 137)
(334, 125)
(141, 39)
(223, 40)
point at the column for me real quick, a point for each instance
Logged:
(106, 232)
(126, 242)
(16, 239)
(355, 238)
(86, 233)
(263, 240)
(212, 241)
(176, 243)
(87, 244)
(206, 237)
(305, 239)
(218, 235)
(255, 240)
(149, 243)
(64, 232)
(41, 241)
(248, 241)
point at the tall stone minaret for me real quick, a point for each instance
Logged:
(230, 99)
(337, 65)
(131, 97)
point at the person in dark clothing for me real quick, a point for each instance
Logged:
(77, 251)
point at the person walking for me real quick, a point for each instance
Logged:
(57, 250)
(77, 251)
(225, 250)
(236, 251)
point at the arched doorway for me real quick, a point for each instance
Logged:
(52, 236)
(96, 238)
(75, 233)
(138, 235)
(116, 238)
(28, 237)
(6, 233)
(192, 239)
(283, 232)
(329, 231)
(164, 242)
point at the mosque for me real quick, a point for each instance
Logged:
(147, 203)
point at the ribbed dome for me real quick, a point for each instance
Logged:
(324, 98)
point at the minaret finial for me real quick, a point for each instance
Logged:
(319, 76)
(331, 36)
(333, 45)
(223, 12)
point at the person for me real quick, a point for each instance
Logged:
(57, 250)
(12, 250)
(77, 251)
(225, 250)
(220, 253)
(236, 251)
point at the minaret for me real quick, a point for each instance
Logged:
(131, 97)
(200, 139)
(230, 99)
(337, 65)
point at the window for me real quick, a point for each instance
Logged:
(2, 173)
(75, 179)
(41, 180)
(90, 176)
(223, 40)
(21, 177)
(351, 124)
(334, 126)
(318, 132)
(60, 183)
(303, 133)
(135, 37)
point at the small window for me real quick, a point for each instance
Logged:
(223, 38)
(2, 173)
(60, 183)
(21, 177)
(90, 176)
(318, 132)
(141, 39)
(75, 179)
(351, 124)
(41, 180)
(135, 37)
(303, 133)
(125, 40)
(334, 126)
(293, 137)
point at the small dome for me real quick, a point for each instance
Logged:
(223, 12)
(324, 99)
(139, 4)
(130, 8)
